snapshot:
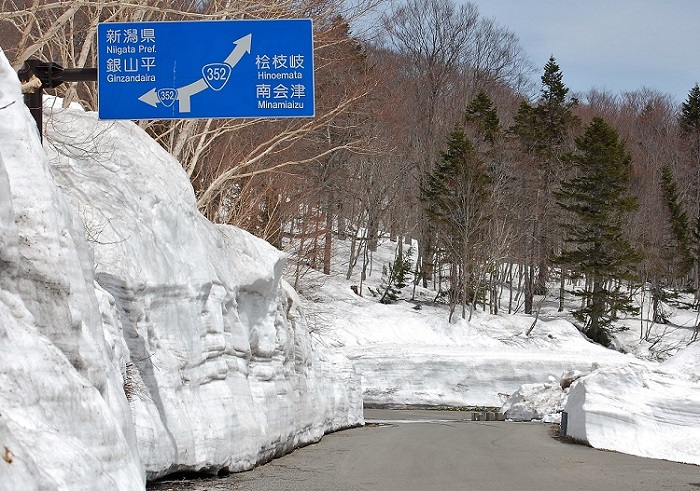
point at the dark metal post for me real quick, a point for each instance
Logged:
(33, 101)
(51, 75)
(33, 98)
(564, 423)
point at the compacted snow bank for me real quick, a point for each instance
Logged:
(136, 338)
(64, 420)
(641, 410)
(416, 357)
(409, 356)
(225, 375)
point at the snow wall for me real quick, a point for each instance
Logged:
(641, 410)
(418, 358)
(136, 338)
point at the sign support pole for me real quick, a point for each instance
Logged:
(50, 75)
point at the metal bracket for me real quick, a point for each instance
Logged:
(50, 75)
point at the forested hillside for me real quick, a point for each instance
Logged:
(431, 124)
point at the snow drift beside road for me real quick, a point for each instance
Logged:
(161, 344)
(416, 357)
(224, 363)
(641, 410)
(64, 420)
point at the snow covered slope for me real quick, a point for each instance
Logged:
(416, 357)
(136, 338)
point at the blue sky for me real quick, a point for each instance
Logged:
(616, 45)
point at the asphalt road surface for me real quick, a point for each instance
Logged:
(420, 450)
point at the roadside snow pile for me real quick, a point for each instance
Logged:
(416, 357)
(160, 343)
(641, 410)
(638, 408)
(535, 402)
(64, 420)
(225, 375)
(543, 401)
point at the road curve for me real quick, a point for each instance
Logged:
(419, 450)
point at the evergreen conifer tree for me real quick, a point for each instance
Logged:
(544, 128)
(482, 115)
(689, 122)
(395, 277)
(597, 200)
(554, 109)
(456, 196)
(680, 227)
(690, 112)
(544, 131)
(458, 184)
(676, 253)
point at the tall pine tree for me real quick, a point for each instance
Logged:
(483, 117)
(456, 196)
(690, 112)
(545, 132)
(597, 201)
(681, 247)
(689, 121)
(676, 259)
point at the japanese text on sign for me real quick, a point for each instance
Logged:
(133, 55)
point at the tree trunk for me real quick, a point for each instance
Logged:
(542, 278)
(426, 253)
(562, 289)
(510, 288)
(595, 331)
(372, 234)
(528, 289)
(327, 244)
(353, 256)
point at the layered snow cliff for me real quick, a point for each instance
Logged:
(649, 411)
(136, 338)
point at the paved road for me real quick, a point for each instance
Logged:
(440, 451)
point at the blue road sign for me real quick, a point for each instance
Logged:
(206, 69)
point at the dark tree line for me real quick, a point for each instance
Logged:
(592, 190)
(437, 129)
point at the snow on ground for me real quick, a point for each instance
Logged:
(416, 357)
(136, 338)
(614, 401)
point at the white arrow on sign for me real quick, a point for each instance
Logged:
(185, 93)
(242, 47)
(150, 98)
